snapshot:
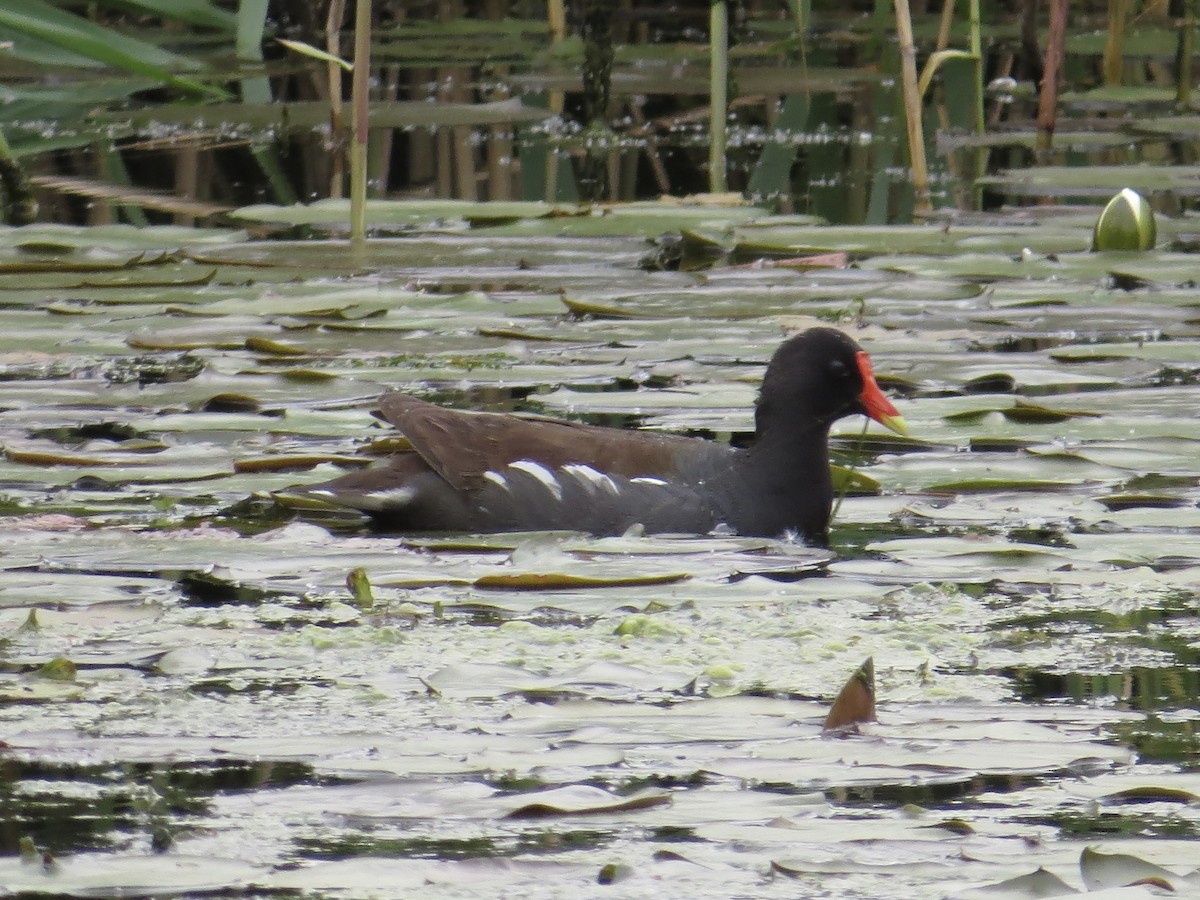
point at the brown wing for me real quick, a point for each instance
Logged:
(460, 446)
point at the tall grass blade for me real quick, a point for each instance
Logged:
(94, 43)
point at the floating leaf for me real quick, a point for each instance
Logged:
(853, 481)
(1039, 884)
(987, 485)
(58, 669)
(1022, 412)
(583, 801)
(533, 581)
(231, 402)
(1111, 870)
(54, 458)
(1031, 413)
(1152, 794)
(106, 874)
(1141, 501)
(1095, 181)
(38, 691)
(274, 348)
(482, 680)
(281, 463)
(995, 383)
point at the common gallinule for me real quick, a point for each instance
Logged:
(490, 472)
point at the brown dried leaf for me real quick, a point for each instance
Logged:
(856, 702)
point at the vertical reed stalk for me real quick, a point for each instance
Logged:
(337, 117)
(1048, 99)
(1114, 62)
(945, 24)
(556, 19)
(912, 109)
(981, 154)
(359, 99)
(718, 90)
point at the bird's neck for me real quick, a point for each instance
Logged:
(790, 464)
(795, 433)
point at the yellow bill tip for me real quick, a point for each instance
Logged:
(895, 423)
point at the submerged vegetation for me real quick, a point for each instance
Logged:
(144, 109)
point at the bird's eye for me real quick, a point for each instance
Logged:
(838, 369)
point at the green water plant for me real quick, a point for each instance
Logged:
(1127, 223)
(359, 93)
(43, 33)
(912, 107)
(718, 94)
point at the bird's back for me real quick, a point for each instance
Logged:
(478, 471)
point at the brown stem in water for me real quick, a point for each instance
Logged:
(1048, 100)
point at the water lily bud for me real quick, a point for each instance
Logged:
(1127, 223)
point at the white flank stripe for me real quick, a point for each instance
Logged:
(392, 497)
(541, 473)
(592, 477)
(496, 478)
(646, 479)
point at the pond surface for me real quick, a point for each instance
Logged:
(194, 701)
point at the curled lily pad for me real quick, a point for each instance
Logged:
(286, 463)
(582, 801)
(997, 383)
(1110, 870)
(538, 581)
(1022, 412)
(274, 348)
(231, 402)
(855, 703)
(1039, 883)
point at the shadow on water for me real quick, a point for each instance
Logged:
(65, 807)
